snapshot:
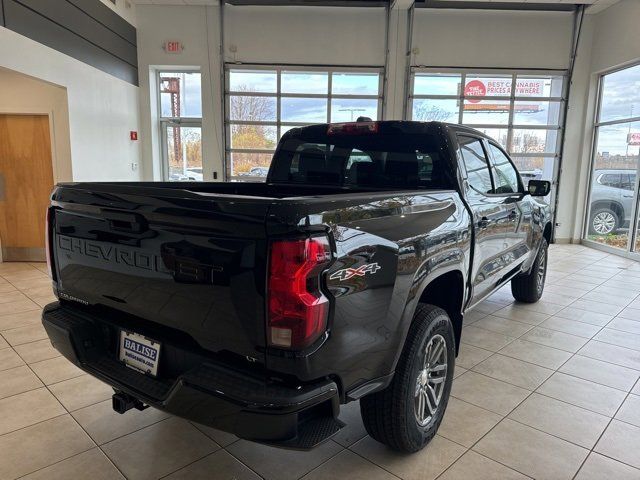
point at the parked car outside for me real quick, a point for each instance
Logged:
(611, 200)
(259, 172)
(194, 174)
(527, 175)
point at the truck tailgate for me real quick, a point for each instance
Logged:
(192, 262)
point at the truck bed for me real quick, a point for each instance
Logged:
(242, 189)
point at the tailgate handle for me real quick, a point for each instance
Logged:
(125, 222)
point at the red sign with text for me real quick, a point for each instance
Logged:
(173, 46)
(633, 138)
(501, 87)
(475, 88)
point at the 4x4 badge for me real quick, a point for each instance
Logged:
(347, 273)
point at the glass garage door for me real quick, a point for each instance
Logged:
(262, 103)
(612, 210)
(521, 110)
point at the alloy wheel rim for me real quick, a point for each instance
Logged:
(431, 380)
(603, 223)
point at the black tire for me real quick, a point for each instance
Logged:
(390, 416)
(603, 221)
(529, 288)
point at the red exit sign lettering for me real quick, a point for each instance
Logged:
(173, 46)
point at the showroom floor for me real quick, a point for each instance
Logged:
(548, 390)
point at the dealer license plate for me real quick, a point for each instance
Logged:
(139, 352)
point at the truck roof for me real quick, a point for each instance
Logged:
(400, 126)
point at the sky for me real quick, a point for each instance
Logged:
(191, 101)
(620, 100)
(344, 83)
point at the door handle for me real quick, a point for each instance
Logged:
(125, 222)
(513, 215)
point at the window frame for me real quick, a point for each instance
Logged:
(279, 95)
(634, 225)
(521, 189)
(464, 164)
(165, 122)
(510, 126)
(485, 145)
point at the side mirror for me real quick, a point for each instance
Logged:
(539, 188)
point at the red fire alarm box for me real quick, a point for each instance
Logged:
(133, 135)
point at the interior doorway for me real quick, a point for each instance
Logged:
(26, 181)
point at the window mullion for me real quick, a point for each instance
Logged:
(279, 103)
(329, 97)
(463, 81)
(512, 102)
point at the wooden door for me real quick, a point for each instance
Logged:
(26, 181)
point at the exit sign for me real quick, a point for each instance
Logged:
(173, 46)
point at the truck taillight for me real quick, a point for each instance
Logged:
(352, 128)
(47, 241)
(297, 308)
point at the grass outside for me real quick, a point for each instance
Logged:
(615, 240)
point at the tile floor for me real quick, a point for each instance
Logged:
(546, 391)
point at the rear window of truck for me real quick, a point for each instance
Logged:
(369, 160)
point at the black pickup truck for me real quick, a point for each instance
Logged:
(260, 308)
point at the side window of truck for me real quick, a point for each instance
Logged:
(505, 175)
(476, 164)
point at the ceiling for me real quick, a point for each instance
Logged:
(594, 6)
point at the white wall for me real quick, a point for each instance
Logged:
(22, 94)
(102, 109)
(305, 35)
(197, 28)
(472, 38)
(330, 36)
(611, 39)
(617, 36)
(573, 178)
(343, 36)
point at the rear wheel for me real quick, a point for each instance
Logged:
(529, 288)
(406, 415)
(603, 222)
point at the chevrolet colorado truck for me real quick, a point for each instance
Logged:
(260, 308)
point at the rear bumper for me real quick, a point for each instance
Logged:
(241, 403)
